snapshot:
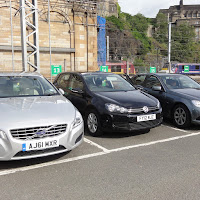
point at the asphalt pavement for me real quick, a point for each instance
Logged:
(161, 164)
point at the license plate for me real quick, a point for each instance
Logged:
(40, 144)
(144, 118)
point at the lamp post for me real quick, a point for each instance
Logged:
(169, 45)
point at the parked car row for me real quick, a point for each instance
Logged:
(37, 120)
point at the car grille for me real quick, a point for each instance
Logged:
(39, 132)
(140, 110)
(138, 125)
(145, 125)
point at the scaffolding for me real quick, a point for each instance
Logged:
(31, 38)
(101, 40)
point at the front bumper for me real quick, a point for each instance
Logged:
(195, 115)
(11, 148)
(124, 122)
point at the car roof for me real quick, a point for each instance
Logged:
(161, 74)
(92, 73)
(96, 73)
(20, 74)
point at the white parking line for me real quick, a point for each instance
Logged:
(176, 129)
(96, 145)
(154, 142)
(22, 169)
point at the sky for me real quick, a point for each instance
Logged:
(150, 8)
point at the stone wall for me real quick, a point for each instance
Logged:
(73, 40)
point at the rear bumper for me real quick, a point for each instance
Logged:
(123, 122)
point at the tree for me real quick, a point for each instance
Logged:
(122, 42)
(183, 43)
(161, 28)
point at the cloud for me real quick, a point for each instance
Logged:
(150, 8)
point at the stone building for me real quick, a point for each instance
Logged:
(107, 8)
(73, 33)
(181, 13)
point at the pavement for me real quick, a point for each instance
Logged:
(160, 164)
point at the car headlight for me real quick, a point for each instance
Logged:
(196, 103)
(78, 119)
(3, 135)
(116, 108)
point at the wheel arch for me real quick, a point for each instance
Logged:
(91, 107)
(180, 103)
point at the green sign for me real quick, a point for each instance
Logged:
(152, 69)
(56, 69)
(104, 69)
(186, 69)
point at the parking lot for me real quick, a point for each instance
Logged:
(161, 164)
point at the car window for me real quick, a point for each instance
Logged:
(186, 82)
(76, 82)
(179, 82)
(139, 80)
(13, 86)
(152, 81)
(63, 80)
(107, 83)
(171, 82)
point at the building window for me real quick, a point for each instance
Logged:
(194, 14)
(190, 15)
(198, 14)
(115, 68)
(112, 8)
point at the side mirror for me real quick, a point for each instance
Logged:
(61, 91)
(77, 90)
(157, 88)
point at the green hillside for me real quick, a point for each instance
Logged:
(129, 38)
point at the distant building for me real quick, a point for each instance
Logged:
(184, 13)
(107, 8)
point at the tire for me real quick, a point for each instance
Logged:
(93, 123)
(181, 116)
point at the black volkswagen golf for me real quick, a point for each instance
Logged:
(109, 103)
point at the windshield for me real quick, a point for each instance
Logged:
(179, 82)
(13, 86)
(107, 83)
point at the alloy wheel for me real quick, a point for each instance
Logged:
(180, 116)
(92, 122)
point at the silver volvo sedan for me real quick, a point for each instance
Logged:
(35, 120)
